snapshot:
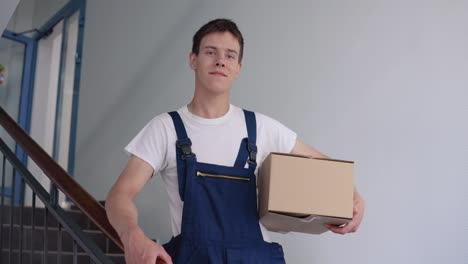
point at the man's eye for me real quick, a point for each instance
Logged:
(209, 52)
(231, 57)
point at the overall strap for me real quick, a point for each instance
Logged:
(242, 154)
(248, 148)
(183, 151)
(251, 126)
(179, 125)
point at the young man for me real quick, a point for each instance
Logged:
(207, 153)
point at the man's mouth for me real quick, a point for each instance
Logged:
(218, 73)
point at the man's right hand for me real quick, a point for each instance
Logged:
(139, 249)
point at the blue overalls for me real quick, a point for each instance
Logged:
(220, 218)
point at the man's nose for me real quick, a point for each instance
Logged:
(220, 61)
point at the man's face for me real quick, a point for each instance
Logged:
(217, 64)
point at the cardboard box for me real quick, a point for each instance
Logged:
(301, 194)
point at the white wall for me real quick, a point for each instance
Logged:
(381, 82)
(7, 10)
(45, 9)
(30, 14)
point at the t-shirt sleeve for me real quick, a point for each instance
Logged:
(150, 144)
(279, 137)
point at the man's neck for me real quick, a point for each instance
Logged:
(209, 107)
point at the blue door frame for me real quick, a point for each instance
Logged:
(27, 85)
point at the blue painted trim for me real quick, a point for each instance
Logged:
(76, 89)
(66, 11)
(60, 87)
(15, 37)
(76, 84)
(25, 107)
(6, 193)
(27, 83)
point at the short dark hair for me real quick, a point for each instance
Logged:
(218, 25)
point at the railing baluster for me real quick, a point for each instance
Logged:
(75, 252)
(33, 214)
(44, 257)
(54, 195)
(21, 226)
(59, 241)
(107, 246)
(12, 205)
(1, 206)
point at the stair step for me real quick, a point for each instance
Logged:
(36, 237)
(33, 237)
(39, 213)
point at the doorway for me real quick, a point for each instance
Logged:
(47, 105)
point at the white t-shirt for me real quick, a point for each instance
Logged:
(214, 141)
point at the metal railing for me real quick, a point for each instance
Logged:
(18, 242)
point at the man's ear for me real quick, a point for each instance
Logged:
(193, 60)
(238, 70)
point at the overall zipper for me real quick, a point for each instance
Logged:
(202, 174)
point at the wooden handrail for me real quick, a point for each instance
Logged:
(80, 197)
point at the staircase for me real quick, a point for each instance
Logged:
(52, 234)
(56, 246)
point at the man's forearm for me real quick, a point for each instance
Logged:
(123, 216)
(301, 148)
(122, 213)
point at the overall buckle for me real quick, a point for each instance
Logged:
(185, 145)
(252, 153)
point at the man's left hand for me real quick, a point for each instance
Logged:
(353, 225)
